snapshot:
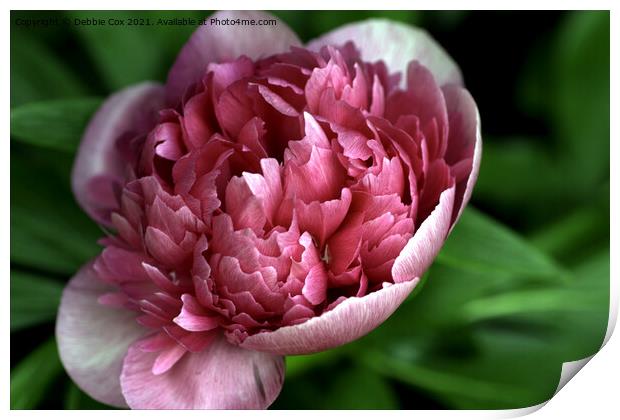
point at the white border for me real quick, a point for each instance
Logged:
(592, 394)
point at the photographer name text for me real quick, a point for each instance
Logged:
(115, 21)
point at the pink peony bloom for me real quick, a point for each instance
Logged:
(269, 200)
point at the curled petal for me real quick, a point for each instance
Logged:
(396, 44)
(99, 168)
(425, 244)
(318, 179)
(215, 43)
(464, 142)
(351, 319)
(322, 219)
(193, 317)
(93, 338)
(222, 376)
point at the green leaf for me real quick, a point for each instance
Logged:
(123, 54)
(446, 384)
(34, 376)
(585, 330)
(34, 299)
(58, 124)
(566, 236)
(516, 169)
(481, 244)
(298, 365)
(129, 54)
(580, 107)
(359, 389)
(494, 322)
(476, 339)
(48, 230)
(37, 74)
(567, 83)
(548, 300)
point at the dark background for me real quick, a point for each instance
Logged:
(521, 286)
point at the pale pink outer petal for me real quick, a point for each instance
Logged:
(464, 118)
(213, 43)
(98, 161)
(396, 44)
(351, 319)
(93, 338)
(428, 239)
(223, 376)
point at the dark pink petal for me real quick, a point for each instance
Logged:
(212, 43)
(424, 100)
(396, 44)
(315, 285)
(230, 274)
(437, 179)
(297, 314)
(234, 109)
(222, 376)
(99, 167)
(390, 178)
(465, 141)
(351, 319)
(225, 74)
(425, 244)
(387, 250)
(377, 106)
(354, 144)
(356, 94)
(330, 76)
(277, 101)
(318, 179)
(197, 119)
(322, 219)
(252, 135)
(126, 231)
(267, 187)
(344, 245)
(159, 278)
(244, 208)
(120, 265)
(169, 141)
(194, 342)
(93, 338)
(163, 248)
(193, 317)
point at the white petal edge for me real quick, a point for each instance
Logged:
(214, 43)
(93, 338)
(348, 321)
(428, 239)
(132, 109)
(396, 44)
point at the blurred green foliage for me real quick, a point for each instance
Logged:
(519, 288)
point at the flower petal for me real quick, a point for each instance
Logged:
(214, 43)
(464, 141)
(351, 319)
(396, 44)
(93, 338)
(193, 317)
(222, 376)
(99, 168)
(425, 244)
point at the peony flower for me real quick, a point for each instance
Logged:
(269, 200)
